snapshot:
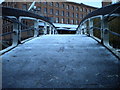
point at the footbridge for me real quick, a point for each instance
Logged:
(47, 59)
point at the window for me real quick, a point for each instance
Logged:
(57, 12)
(73, 15)
(67, 6)
(62, 13)
(62, 20)
(45, 10)
(77, 15)
(67, 21)
(89, 10)
(85, 10)
(45, 3)
(81, 16)
(67, 13)
(51, 11)
(57, 20)
(72, 7)
(77, 8)
(76, 21)
(72, 21)
(39, 9)
(51, 3)
(63, 5)
(81, 9)
(24, 6)
(57, 4)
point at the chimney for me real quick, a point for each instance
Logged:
(106, 2)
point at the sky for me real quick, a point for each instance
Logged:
(94, 3)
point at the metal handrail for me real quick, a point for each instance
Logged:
(10, 15)
(103, 11)
(87, 26)
(6, 33)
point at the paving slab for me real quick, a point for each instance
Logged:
(60, 61)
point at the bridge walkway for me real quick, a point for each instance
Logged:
(60, 61)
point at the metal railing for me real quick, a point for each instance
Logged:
(16, 16)
(105, 15)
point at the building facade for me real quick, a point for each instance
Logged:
(58, 12)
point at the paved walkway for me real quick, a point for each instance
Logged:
(60, 61)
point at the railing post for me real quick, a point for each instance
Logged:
(78, 31)
(50, 29)
(91, 27)
(53, 31)
(81, 29)
(15, 35)
(45, 28)
(105, 33)
(19, 33)
(102, 27)
(85, 28)
(56, 32)
(36, 26)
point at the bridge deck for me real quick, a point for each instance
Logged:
(60, 61)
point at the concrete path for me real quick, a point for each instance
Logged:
(60, 61)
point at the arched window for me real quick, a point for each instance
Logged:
(57, 4)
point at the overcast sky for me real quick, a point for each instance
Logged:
(95, 3)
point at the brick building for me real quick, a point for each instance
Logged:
(56, 12)
(106, 2)
(59, 12)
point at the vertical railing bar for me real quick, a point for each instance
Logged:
(36, 25)
(45, 28)
(105, 35)
(15, 35)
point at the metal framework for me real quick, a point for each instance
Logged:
(9, 14)
(104, 15)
